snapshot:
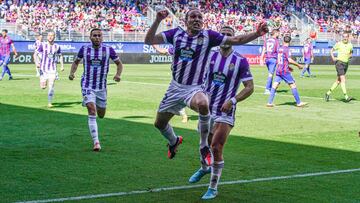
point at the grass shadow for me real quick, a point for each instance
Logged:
(65, 104)
(47, 154)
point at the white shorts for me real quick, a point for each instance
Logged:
(177, 97)
(47, 76)
(221, 119)
(98, 97)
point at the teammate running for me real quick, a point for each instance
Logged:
(94, 79)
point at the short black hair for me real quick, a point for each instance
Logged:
(5, 30)
(287, 39)
(94, 29)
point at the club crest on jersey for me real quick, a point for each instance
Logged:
(231, 66)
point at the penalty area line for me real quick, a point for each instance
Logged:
(183, 187)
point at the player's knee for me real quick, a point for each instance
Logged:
(159, 125)
(101, 115)
(293, 86)
(203, 106)
(216, 148)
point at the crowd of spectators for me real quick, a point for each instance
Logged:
(130, 15)
(335, 16)
(79, 16)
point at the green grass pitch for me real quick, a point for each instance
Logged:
(46, 153)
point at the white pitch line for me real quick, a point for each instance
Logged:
(118, 194)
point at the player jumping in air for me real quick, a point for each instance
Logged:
(170, 51)
(283, 73)
(5, 44)
(270, 48)
(192, 48)
(226, 69)
(344, 51)
(308, 55)
(47, 57)
(96, 59)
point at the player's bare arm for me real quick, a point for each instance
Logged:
(261, 30)
(119, 69)
(151, 36)
(160, 50)
(262, 56)
(295, 63)
(61, 58)
(332, 54)
(14, 50)
(243, 94)
(74, 67)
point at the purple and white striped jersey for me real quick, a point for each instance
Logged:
(49, 55)
(96, 65)
(223, 78)
(191, 53)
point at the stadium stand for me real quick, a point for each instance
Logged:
(71, 19)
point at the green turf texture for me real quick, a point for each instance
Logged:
(46, 153)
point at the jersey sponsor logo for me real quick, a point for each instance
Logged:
(219, 78)
(186, 54)
(96, 62)
(51, 56)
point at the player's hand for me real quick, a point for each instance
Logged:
(301, 66)
(262, 28)
(117, 78)
(161, 15)
(71, 77)
(62, 69)
(16, 54)
(227, 107)
(334, 59)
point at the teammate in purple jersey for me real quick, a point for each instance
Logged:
(96, 59)
(5, 44)
(270, 52)
(192, 48)
(283, 72)
(226, 69)
(49, 54)
(36, 46)
(308, 56)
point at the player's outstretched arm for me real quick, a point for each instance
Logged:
(261, 30)
(151, 36)
(74, 67)
(119, 69)
(295, 63)
(243, 94)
